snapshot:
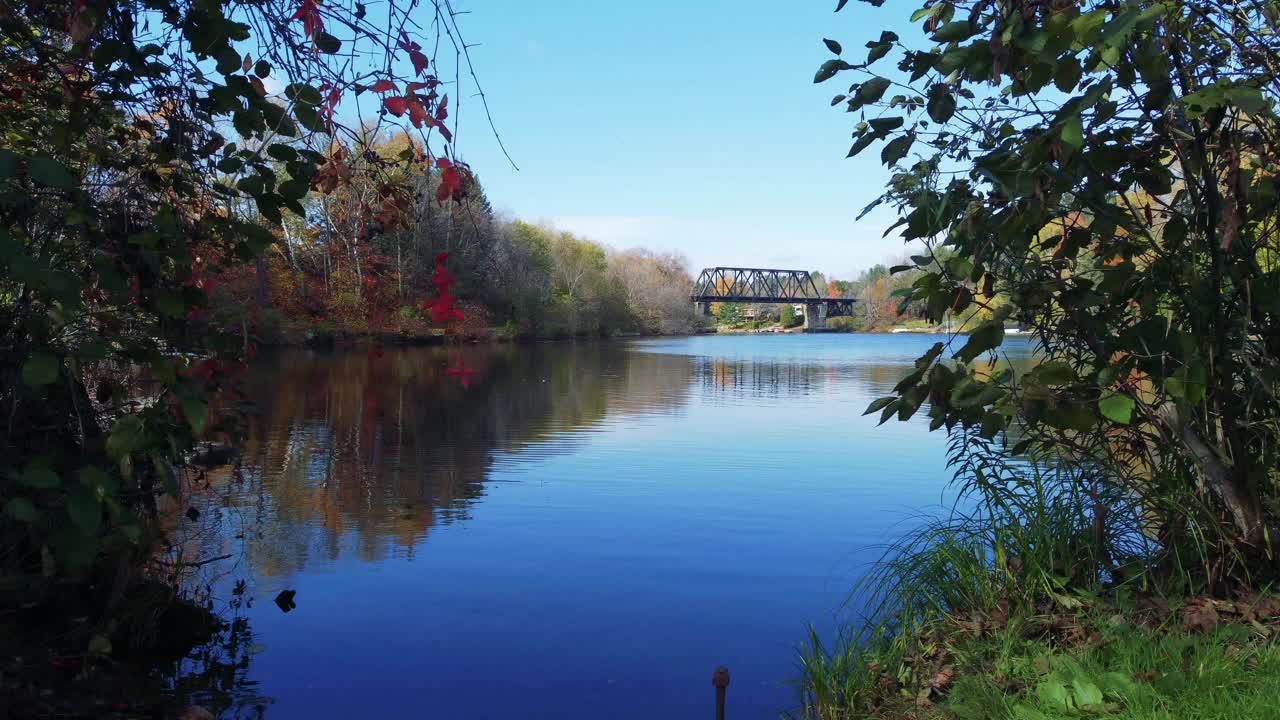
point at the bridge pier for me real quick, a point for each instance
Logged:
(815, 316)
(702, 309)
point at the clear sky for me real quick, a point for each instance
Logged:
(692, 126)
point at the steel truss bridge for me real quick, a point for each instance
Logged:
(761, 285)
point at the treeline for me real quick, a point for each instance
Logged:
(362, 259)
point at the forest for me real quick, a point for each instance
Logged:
(342, 269)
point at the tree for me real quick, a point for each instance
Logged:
(1109, 167)
(146, 153)
(729, 313)
(654, 291)
(789, 318)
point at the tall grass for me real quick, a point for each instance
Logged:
(1023, 532)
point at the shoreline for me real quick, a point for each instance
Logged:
(339, 339)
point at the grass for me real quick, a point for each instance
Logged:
(1123, 670)
(1034, 604)
(1093, 659)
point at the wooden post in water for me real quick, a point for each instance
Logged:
(720, 679)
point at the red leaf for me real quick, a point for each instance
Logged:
(450, 184)
(406, 44)
(395, 105)
(411, 87)
(419, 61)
(419, 116)
(309, 13)
(382, 86)
(462, 372)
(448, 136)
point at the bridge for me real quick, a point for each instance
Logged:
(760, 285)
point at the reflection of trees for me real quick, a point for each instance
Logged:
(760, 379)
(363, 452)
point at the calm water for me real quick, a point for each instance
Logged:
(585, 532)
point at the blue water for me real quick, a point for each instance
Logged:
(587, 531)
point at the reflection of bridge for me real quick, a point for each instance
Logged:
(757, 285)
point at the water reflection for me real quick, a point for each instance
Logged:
(604, 521)
(364, 453)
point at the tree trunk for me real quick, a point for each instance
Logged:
(1243, 506)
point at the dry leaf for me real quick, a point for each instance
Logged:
(943, 679)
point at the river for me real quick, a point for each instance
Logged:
(586, 531)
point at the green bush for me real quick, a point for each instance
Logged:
(789, 317)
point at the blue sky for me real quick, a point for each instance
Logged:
(689, 126)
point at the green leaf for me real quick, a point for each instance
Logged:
(832, 45)
(41, 478)
(126, 436)
(881, 126)
(283, 153)
(1055, 372)
(1249, 99)
(22, 510)
(942, 104)
(1067, 74)
(99, 645)
(984, 338)
(1086, 692)
(889, 411)
(872, 90)
(1116, 683)
(196, 412)
(829, 69)
(953, 31)
(1070, 417)
(85, 509)
(878, 51)
(228, 60)
(308, 117)
(1117, 407)
(1054, 693)
(1073, 132)
(40, 369)
(923, 12)
(1118, 29)
(327, 43)
(1026, 712)
(862, 144)
(897, 148)
(878, 404)
(47, 171)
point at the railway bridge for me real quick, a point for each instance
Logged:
(762, 285)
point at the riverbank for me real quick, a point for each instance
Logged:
(1137, 657)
